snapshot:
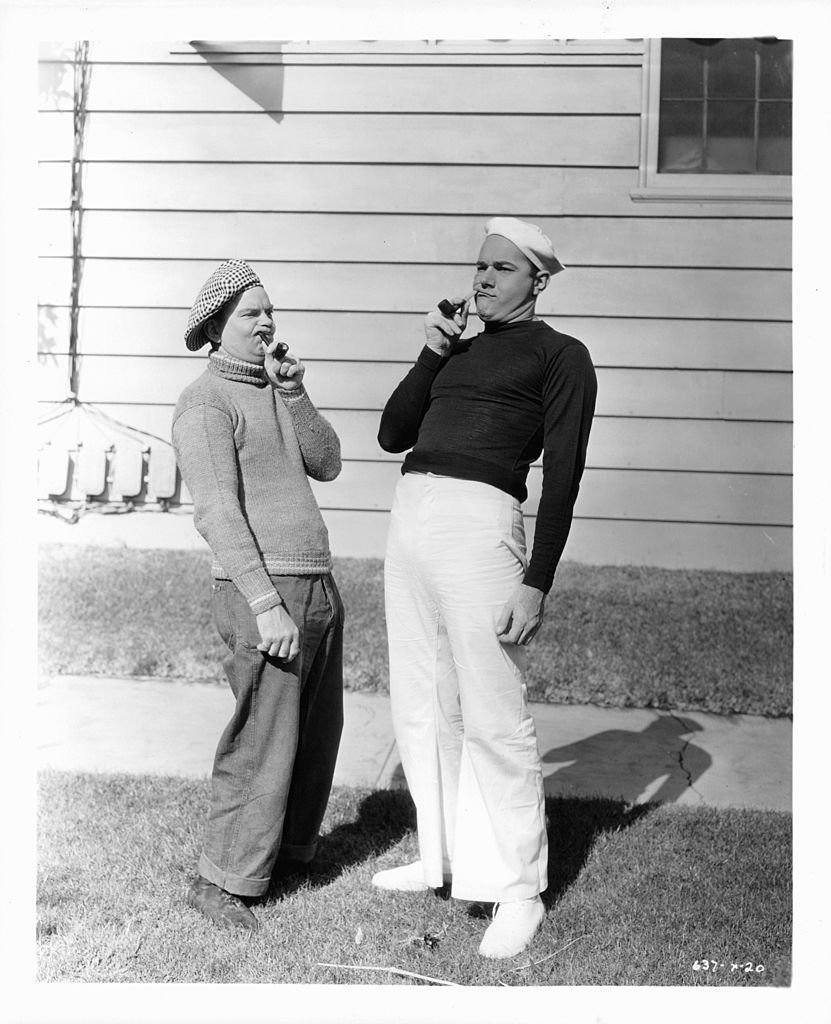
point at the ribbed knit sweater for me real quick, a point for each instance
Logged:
(246, 451)
(487, 410)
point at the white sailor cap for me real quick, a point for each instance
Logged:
(529, 239)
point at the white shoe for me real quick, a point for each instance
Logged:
(407, 878)
(514, 925)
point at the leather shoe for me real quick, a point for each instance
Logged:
(219, 906)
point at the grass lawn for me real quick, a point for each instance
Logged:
(618, 637)
(637, 897)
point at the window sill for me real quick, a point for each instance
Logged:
(713, 194)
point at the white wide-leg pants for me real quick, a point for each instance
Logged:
(455, 554)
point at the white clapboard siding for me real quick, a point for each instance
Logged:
(354, 52)
(532, 192)
(605, 494)
(698, 394)
(685, 445)
(353, 138)
(278, 89)
(631, 341)
(599, 241)
(626, 443)
(356, 177)
(603, 291)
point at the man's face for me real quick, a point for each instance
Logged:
(506, 283)
(249, 321)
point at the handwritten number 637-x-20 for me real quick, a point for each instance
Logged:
(746, 966)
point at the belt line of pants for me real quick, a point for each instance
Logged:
(465, 734)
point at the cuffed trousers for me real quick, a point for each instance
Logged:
(466, 738)
(275, 761)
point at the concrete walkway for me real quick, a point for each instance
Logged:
(171, 728)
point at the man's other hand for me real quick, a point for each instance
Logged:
(522, 616)
(280, 637)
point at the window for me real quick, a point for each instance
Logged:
(717, 120)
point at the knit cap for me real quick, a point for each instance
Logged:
(229, 279)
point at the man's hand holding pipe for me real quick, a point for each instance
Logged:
(441, 331)
(284, 371)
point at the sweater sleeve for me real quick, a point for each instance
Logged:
(203, 438)
(319, 444)
(569, 394)
(407, 405)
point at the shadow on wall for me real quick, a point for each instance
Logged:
(655, 764)
(56, 80)
(261, 82)
(47, 335)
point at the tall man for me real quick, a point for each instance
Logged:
(462, 598)
(247, 438)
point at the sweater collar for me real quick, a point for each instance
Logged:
(514, 325)
(236, 369)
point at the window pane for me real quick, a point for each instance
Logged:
(682, 69)
(680, 142)
(732, 69)
(775, 119)
(679, 117)
(729, 147)
(681, 155)
(727, 118)
(775, 155)
(776, 72)
(730, 155)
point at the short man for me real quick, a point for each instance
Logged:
(247, 439)
(462, 599)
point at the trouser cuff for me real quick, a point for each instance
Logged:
(290, 851)
(230, 882)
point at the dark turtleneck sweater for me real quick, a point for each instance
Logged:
(489, 409)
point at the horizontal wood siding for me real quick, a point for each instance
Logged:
(356, 178)
(538, 139)
(395, 287)
(620, 442)
(699, 394)
(366, 189)
(355, 89)
(615, 341)
(344, 238)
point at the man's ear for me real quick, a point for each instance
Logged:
(212, 331)
(541, 281)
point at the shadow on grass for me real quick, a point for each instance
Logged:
(384, 817)
(574, 824)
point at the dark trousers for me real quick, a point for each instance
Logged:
(275, 761)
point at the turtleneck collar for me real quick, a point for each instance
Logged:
(513, 325)
(237, 369)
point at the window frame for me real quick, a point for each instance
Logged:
(652, 185)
